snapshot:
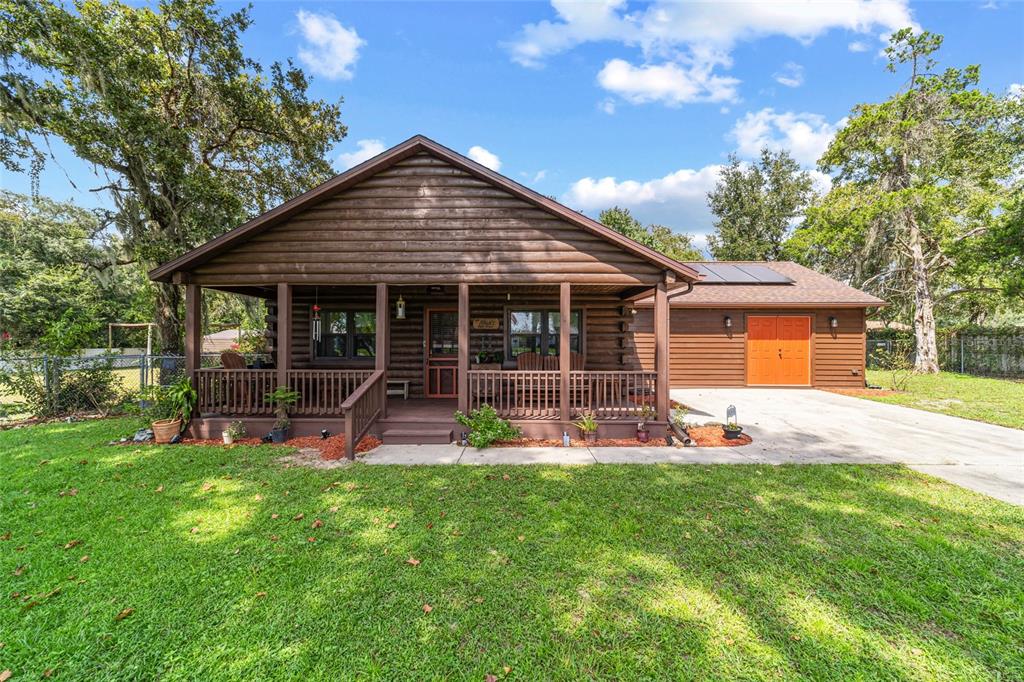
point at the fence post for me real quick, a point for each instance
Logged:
(143, 363)
(961, 354)
(47, 389)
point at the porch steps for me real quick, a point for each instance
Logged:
(415, 435)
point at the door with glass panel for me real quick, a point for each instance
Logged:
(441, 341)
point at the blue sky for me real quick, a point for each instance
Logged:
(603, 103)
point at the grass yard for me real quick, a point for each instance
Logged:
(207, 563)
(996, 401)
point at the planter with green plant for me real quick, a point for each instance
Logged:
(173, 409)
(587, 424)
(486, 427)
(647, 413)
(732, 430)
(235, 431)
(283, 398)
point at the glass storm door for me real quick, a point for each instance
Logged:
(441, 339)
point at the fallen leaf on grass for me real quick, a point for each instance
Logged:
(317, 524)
(260, 595)
(207, 486)
(311, 539)
(490, 678)
(71, 492)
(258, 497)
(159, 489)
(48, 673)
(6, 536)
(298, 517)
(333, 510)
(393, 525)
(521, 538)
(5, 675)
(275, 538)
(83, 559)
(506, 476)
(413, 562)
(73, 543)
(795, 638)
(195, 529)
(430, 525)
(478, 600)
(275, 516)
(427, 608)
(20, 569)
(507, 669)
(124, 614)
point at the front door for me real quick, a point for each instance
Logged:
(778, 350)
(441, 349)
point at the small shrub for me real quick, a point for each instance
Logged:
(897, 361)
(587, 423)
(486, 427)
(236, 430)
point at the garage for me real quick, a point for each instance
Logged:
(778, 350)
(801, 328)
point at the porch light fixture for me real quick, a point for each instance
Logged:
(727, 321)
(400, 308)
(833, 322)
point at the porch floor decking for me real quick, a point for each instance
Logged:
(423, 410)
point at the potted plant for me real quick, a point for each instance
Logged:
(646, 414)
(175, 405)
(235, 431)
(587, 424)
(283, 398)
(732, 430)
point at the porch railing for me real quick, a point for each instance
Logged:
(235, 391)
(611, 395)
(521, 394)
(324, 391)
(362, 408)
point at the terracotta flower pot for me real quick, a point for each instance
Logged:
(643, 436)
(166, 429)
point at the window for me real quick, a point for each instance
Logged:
(347, 334)
(536, 331)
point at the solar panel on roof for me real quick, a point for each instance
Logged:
(765, 274)
(746, 273)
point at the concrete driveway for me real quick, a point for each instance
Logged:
(808, 426)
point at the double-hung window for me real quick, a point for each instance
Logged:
(536, 331)
(347, 335)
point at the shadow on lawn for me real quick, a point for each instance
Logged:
(625, 572)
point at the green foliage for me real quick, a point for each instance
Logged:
(486, 427)
(181, 400)
(922, 211)
(283, 398)
(195, 136)
(658, 237)
(236, 430)
(52, 387)
(755, 206)
(587, 423)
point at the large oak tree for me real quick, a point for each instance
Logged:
(191, 136)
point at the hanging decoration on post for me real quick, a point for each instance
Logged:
(316, 316)
(400, 308)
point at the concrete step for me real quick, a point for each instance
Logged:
(416, 436)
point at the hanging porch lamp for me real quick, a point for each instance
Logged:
(400, 308)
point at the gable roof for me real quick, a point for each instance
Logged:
(414, 145)
(807, 288)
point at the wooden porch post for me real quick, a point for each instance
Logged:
(383, 345)
(564, 353)
(193, 331)
(463, 378)
(284, 332)
(661, 351)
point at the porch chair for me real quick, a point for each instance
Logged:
(239, 387)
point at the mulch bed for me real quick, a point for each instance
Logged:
(703, 436)
(330, 448)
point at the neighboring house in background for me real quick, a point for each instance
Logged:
(422, 271)
(218, 342)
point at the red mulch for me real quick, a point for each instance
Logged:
(330, 448)
(703, 436)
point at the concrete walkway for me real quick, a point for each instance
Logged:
(794, 427)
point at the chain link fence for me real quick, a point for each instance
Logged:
(49, 386)
(994, 356)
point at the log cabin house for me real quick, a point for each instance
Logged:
(420, 282)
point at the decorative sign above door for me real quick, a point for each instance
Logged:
(486, 323)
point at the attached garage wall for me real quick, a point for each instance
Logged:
(705, 353)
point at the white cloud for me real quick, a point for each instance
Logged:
(607, 105)
(805, 135)
(858, 46)
(1016, 90)
(484, 157)
(678, 199)
(331, 50)
(367, 149)
(539, 175)
(668, 82)
(692, 39)
(791, 75)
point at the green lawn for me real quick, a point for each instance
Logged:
(615, 572)
(996, 401)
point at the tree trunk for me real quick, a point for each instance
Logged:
(924, 314)
(167, 318)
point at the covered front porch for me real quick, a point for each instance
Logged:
(437, 349)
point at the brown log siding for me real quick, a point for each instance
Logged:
(704, 353)
(425, 221)
(607, 342)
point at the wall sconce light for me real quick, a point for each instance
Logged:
(727, 321)
(632, 311)
(833, 322)
(400, 308)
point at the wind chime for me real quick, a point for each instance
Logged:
(316, 315)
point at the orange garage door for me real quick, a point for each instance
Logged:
(778, 350)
